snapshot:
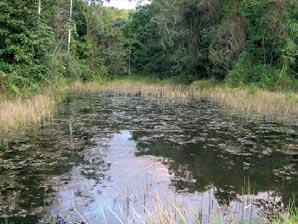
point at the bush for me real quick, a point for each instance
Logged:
(183, 79)
(265, 76)
(80, 69)
(2, 80)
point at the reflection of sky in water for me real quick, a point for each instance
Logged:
(134, 183)
(186, 153)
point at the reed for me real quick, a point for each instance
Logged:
(252, 102)
(175, 215)
(172, 211)
(158, 212)
(245, 101)
(19, 114)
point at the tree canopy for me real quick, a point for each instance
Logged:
(242, 41)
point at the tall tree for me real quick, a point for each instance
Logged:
(69, 28)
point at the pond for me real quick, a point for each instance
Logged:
(108, 158)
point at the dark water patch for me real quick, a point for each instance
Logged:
(103, 153)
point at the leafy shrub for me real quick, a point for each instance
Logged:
(80, 69)
(2, 80)
(264, 76)
(227, 45)
(183, 79)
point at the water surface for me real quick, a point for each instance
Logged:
(107, 159)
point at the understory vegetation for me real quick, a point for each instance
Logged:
(251, 45)
(243, 42)
(19, 114)
(241, 54)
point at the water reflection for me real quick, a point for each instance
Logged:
(104, 155)
(195, 168)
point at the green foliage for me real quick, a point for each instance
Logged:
(99, 41)
(34, 47)
(263, 75)
(264, 39)
(142, 42)
(172, 38)
(243, 41)
(24, 39)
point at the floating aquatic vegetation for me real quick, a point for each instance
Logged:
(189, 149)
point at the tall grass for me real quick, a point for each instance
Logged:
(158, 212)
(245, 101)
(252, 101)
(17, 114)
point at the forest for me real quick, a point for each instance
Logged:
(240, 42)
(174, 112)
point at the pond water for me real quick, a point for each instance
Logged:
(121, 159)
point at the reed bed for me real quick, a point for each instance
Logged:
(17, 114)
(20, 114)
(161, 213)
(247, 102)
(278, 106)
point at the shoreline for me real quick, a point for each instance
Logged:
(27, 114)
(18, 115)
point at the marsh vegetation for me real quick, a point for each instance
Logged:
(175, 112)
(19, 114)
(119, 158)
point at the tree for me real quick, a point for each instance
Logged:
(24, 42)
(69, 29)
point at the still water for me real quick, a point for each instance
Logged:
(121, 159)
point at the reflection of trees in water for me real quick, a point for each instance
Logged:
(205, 147)
(186, 133)
(52, 150)
(196, 169)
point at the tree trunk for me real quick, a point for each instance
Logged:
(39, 7)
(69, 29)
(129, 61)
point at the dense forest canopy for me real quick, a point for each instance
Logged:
(241, 41)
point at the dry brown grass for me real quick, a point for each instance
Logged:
(16, 115)
(258, 103)
(279, 106)
(19, 114)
